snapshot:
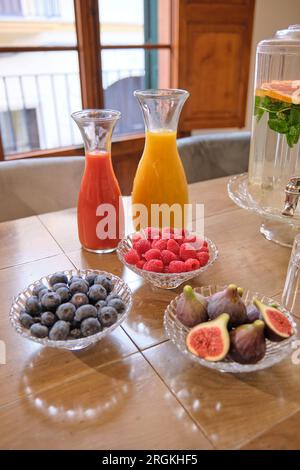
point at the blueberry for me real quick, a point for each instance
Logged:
(90, 278)
(100, 304)
(36, 289)
(117, 304)
(97, 292)
(85, 311)
(43, 292)
(64, 294)
(75, 333)
(79, 286)
(105, 282)
(107, 316)
(58, 285)
(66, 311)
(51, 301)
(58, 277)
(48, 318)
(33, 306)
(90, 326)
(59, 331)
(112, 296)
(26, 320)
(74, 279)
(79, 299)
(39, 331)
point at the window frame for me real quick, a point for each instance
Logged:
(89, 48)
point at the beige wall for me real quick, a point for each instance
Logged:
(270, 15)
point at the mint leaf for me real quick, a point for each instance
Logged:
(278, 125)
(294, 116)
(258, 112)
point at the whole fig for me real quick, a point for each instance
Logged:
(253, 313)
(191, 307)
(229, 301)
(248, 343)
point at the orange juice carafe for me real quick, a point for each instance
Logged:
(160, 177)
(100, 213)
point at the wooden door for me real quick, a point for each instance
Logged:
(212, 41)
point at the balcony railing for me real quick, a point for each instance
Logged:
(30, 8)
(35, 109)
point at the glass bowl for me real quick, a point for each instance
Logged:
(120, 288)
(275, 352)
(165, 280)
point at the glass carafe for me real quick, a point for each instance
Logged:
(275, 143)
(160, 177)
(100, 213)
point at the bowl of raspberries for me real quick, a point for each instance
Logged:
(71, 309)
(167, 257)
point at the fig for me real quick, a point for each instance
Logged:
(210, 340)
(229, 301)
(191, 308)
(278, 326)
(248, 343)
(253, 313)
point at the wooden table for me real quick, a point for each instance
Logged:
(134, 389)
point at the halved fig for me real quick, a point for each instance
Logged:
(278, 326)
(210, 340)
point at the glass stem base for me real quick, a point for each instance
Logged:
(279, 232)
(99, 252)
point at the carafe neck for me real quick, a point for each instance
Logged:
(96, 127)
(161, 108)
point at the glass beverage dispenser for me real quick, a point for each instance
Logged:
(273, 183)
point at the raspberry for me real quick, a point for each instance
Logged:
(204, 249)
(136, 237)
(187, 251)
(167, 233)
(152, 233)
(190, 239)
(154, 253)
(197, 244)
(192, 264)
(177, 267)
(142, 246)
(132, 257)
(203, 258)
(168, 256)
(178, 236)
(140, 263)
(173, 246)
(160, 244)
(155, 265)
(205, 243)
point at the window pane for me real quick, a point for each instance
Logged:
(126, 70)
(38, 92)
(134, 21)
(37, 22)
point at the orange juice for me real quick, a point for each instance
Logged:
(160, 177)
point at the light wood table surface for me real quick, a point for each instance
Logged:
(134, 390)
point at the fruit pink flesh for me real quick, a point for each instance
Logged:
(280, 322)
(207, 342)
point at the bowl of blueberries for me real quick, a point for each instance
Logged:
(71, 309)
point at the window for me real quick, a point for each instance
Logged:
(51, 64)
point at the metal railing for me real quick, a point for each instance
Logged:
(30, 8)
(35, 109)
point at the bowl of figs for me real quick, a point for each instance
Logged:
(71, 309)
(230, 329)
